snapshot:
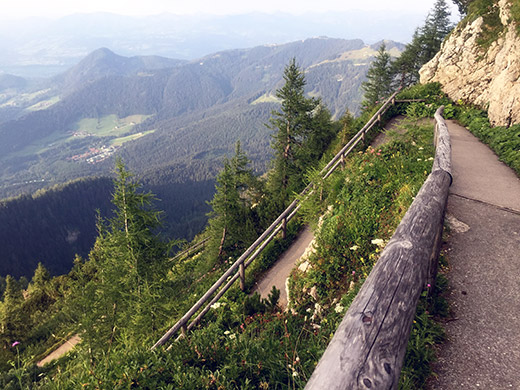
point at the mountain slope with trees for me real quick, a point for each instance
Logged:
(242, 82)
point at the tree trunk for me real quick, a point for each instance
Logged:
(222, 242)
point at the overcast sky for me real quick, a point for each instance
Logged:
(16, 9)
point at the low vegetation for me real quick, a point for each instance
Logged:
(492, 27)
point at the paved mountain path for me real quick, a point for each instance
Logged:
(60, 351)
(482, 350)
(278, 274)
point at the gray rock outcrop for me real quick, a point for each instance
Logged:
(490, 79)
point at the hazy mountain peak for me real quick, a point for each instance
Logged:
(103, 62)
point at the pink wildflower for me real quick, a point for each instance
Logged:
(15, 344)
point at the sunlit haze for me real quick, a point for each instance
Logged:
(10, 9)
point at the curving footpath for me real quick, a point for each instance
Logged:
(482, 350)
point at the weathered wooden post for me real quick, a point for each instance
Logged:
(242, 274)
(284, 228)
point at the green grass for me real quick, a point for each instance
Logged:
(515, 14)
(492, 27)
(44, 104)
(109, 125)
(266, 98)
(121, 140)
(95, 128)
(235, 349)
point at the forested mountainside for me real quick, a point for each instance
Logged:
(129, 290)
(54, 225)
(171, 121)
(51, 226)
(72, 125)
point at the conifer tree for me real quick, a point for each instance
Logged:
(125, 300)
(425, 44)
(406, 67)
(12, 319)
(41, 277)
(379, 78)
(302, 130)
(435, 29)
(231, 220)
(462, 5)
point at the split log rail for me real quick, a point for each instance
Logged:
(368, 348)
(261, 242)
(192, 249)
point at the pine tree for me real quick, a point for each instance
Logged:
(303, 129)
(462, 5)
(41, 277)
(425, 44)
(406, 67)
(232, 219)
(435, 29)
(13, 322)
(379, 79)
(125, 300)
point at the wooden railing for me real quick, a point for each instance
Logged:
(368, 348)
(278, 225)
(192, 249)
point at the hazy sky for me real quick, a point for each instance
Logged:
(15, 9)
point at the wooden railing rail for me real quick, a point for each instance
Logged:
(261, 242)
(368, 348)
(191, 249)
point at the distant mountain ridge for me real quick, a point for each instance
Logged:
(38, 45)
(104, 63)
(222, 97)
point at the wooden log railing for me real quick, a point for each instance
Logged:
(368, 348)
(261, 242)
(192, 249)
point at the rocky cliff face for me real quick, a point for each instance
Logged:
(490, 79)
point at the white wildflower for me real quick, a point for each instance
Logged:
(354, 248)
(232, 336)
(430, 159)
(419, 159)
(379, 242)
(216, 305)
(421, 148)
(339, 308)
(294, 373)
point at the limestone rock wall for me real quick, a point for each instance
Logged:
(490, 80)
